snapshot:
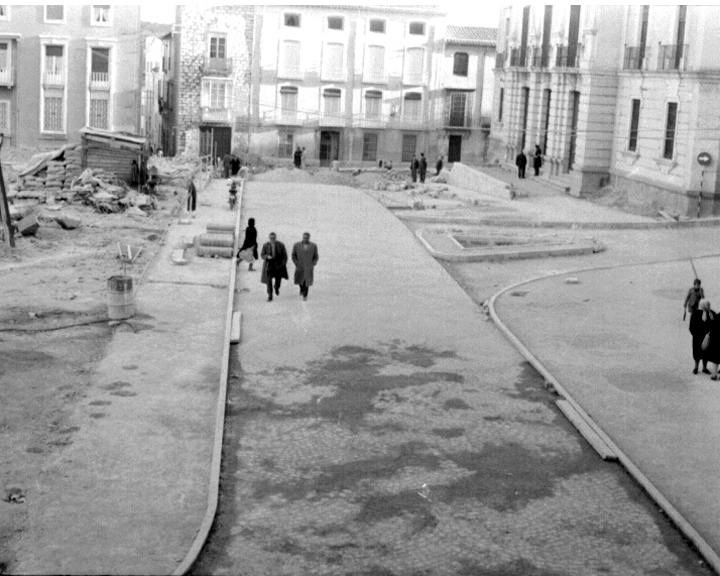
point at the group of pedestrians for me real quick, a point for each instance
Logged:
(521, 162)
(231, 165)
(299, 157)
(705, 330)
(274, 256)
(419, 167)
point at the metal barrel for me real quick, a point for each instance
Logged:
(121, 302)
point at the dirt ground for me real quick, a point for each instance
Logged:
(53, 331)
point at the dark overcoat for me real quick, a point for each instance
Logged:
(275, 267)
(305, 260)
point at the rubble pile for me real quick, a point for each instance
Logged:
(176, 170)
(51, 174)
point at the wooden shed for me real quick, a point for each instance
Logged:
(112, 151)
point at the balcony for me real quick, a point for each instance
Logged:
(672, 56)
(540, 57)
(634, 58)
(54, 79)
(518, 57)
(567, 56)
(332, 119)
(458, 119)
(7, 77)
(288, 118)
(99, 81)
(223, 115)
(217, 66)
(499, 61)
(375, 78)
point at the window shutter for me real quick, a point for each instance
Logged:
(414, 65)
(375, 70)
(291, 57)
(333, 60)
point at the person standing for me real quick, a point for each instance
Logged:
(226, 161)
(414, 165)
(694, 295)
(537, 160)
(438, 165)
(297, 157)
(305, 256)
(700, 323)
(234, 165)
(521, 162)
(248, 250)
(423, 166)
(274, 258)
(192, 196)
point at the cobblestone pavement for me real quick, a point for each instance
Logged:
(385, 427)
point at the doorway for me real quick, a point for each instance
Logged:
(329, 147)
(215, 141)
(454, 148)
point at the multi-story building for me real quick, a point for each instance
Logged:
(358, 84)
(167, 94)
(80, 67)
(613, 94)
(152, 92)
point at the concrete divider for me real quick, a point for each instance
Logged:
(465, 177)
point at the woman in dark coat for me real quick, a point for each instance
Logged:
(700, 323)
(712, 353)
(249, 244)
(537, 160)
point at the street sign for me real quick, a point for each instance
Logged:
(704, 158)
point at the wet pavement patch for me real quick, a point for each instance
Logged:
(117, 385)
(125, 393)
(456, 404)
(530, 386)
(97, 415)
(448, 432)
(131, 367)
(100, 403)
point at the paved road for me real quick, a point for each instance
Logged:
(384, 426)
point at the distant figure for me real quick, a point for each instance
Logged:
(521, 162)
(248, 251)
(304, 256)
(537, 160)
(302, 158)
(135, 178)
(192, 196)
(694, 295)
(414, 166)
(423, 167)
(711, 351)
(438, 166)
(700, 323)
(234, 165)
(274, 258)
(297, 157)
(227, 160)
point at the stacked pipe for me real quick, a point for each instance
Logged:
(217, 243)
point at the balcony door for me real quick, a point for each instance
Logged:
(454, 148)
(215, 141)
(329, 147)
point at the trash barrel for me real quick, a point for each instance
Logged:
(121, 303)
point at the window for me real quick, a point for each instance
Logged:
(669, 147)
(458, 104)
(53, 113)
(101, 15)
(331, 97)
(5, 64)
(411, 111)
(373, 104)
(335, 23)
(417, 28)
(98, 113)
(4, 115)
(54, 65)
(215, 94)
(288, 103)
(460, 64)
(634, 123)
(291, 58)
(333, 61)
(375, 64)
(217, 46)
(500, 104)
(292, 20)
(377, 26)
(285, 145)
(643, 30)
(99, 65)
(370, 145)
(547, 97)
(54, 13)
(414, 65)
(409, 146)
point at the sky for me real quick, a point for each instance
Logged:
(462, 12)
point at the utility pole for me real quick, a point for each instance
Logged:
(4, 209)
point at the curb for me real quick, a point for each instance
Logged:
(706, 551)
(214, 482)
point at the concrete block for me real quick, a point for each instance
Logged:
(68, 223)
(178, 257)
(235, 329)
(28, 225)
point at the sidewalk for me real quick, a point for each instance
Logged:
(385, 426)
(618, 344)
(129, 494)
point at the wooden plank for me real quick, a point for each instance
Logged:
(606, 453)
(235, 332)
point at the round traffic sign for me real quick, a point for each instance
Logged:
(704, 158)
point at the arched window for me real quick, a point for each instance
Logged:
(460, 64)
(373, 103)
(412, 106)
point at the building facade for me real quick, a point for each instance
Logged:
(80, 66)
(620, 95)
(152, 92)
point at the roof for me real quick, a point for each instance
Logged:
(114, 139)
(471, 35)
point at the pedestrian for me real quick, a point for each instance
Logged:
(438, 165)
(414, 165)
(302, 159)
(234, 165)
(192, 196)
(226, 161)
(521, 162)
(537, 160)
(274, 258)
(694, 295)
(297, 157)
(700, 323)
(423, 166)
(248, 250)
(304, 256)
(711, 343)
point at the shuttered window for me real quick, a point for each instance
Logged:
(288, 103)
(373, 103)
(99, 113)
(414, 65)
(215, 94)
(412, 107)
(370, 145)
(53, 113)
(333, 61)
(285, 145)
(331, 97)
(375, 64)
(4, 115)
(291, 58)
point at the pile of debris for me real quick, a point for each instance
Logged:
(176, 170)
(50, 173)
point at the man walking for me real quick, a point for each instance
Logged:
(191, 197)
(521, 162)
(423, 166)
(304, 256)
(297, 158)
(274, 258)
(414, 165)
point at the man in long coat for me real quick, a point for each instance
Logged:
(423, 167)
(414, 166)
(274, 257)
(304, 256)
(521, 162)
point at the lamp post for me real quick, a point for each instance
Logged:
(4, 209)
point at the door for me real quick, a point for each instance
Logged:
(454, 148)
(215, 141)
(329, 147)
(409, 147)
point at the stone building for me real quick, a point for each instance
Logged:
(152, 92)
(621, 95)
(81, 66)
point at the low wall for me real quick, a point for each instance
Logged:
(470, 179)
